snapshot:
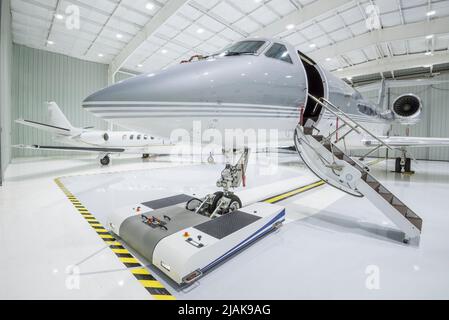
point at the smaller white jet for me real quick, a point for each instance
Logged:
(105, 143)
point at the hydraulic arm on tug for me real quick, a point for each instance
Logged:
(185, 237)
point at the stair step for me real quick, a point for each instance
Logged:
(374, 185)
(308, 131)
(387, 196)
(402, 209)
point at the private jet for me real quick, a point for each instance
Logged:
(104, 143)
(265, 84)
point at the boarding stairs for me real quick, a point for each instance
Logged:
(323, 157)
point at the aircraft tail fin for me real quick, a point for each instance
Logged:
(57, 118)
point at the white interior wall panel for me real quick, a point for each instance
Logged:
(40, 76)
(5, 84)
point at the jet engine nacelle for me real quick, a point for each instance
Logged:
(407, 106)
(95, 137)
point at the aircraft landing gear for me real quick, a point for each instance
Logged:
(105, 160)
(211, 159)
(403, 163)
(223, 202)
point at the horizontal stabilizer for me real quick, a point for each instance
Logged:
(78, 149)
(45, 127)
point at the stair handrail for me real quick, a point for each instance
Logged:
(358, 125)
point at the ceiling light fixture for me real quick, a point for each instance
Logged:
(59, 16)
(312, 45)
(101, 55)
(290, 27)
(200, 31)
(139, 65)
(328, 59)
(149, 6)
(164, 51)
(50, 42)
(431, 13)
(119, 36)
(430, 36)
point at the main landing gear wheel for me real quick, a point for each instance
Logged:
(399, 165)
(105, 161)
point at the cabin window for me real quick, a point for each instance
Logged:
(124, 137)
(131, 137)
(279, 52)
(139, 137)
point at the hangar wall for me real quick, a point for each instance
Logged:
(434, 119)
(5, 85)
(40, 76)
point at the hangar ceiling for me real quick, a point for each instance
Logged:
(147, 35)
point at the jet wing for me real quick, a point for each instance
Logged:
(44, 127)
(78, 149)
(414, 142)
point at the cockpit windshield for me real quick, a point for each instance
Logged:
(243, 47)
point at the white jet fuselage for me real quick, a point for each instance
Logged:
(261, 91)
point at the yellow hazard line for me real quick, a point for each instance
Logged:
(143, 276)
(295, 192)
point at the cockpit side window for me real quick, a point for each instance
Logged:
(280, 52)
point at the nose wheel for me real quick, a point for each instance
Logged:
(105, 161)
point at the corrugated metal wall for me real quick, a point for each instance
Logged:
(434, 119)
(5, 85)
(40, 76)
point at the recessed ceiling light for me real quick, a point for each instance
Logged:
(139, 65)
(101, 55)
(257, 1)
(149, 6)
(290, 27)
(328, 59)
(50, 42)
(312, 45)
(119, 36)
(59, 16)
(430, 36)
(164, 51)
(431, 13)
(200, 30)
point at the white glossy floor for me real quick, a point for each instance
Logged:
(328, 249)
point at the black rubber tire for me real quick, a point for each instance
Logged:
(398, 167)
(105, 161)
(408, 165)
(218, 196)
(145, 156)
(234, 198)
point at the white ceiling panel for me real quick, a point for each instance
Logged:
(206, 26)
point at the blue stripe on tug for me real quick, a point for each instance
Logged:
(255, 236)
